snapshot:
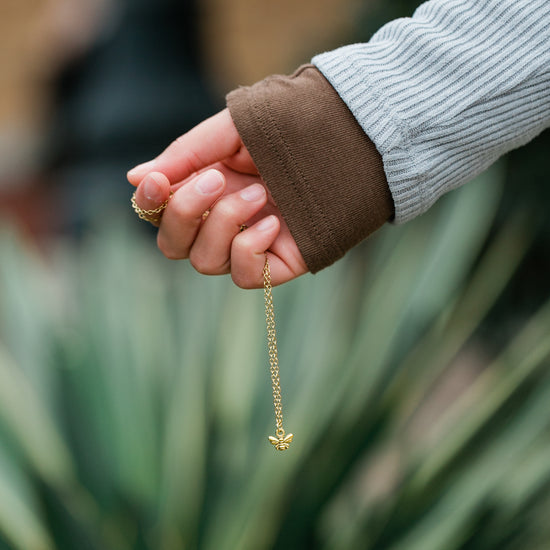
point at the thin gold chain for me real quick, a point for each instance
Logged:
(153, 215)
(280, 441)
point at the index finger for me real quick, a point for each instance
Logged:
(213, 140)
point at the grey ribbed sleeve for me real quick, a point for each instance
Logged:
(445, 93)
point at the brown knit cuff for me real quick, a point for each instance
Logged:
(323, 172)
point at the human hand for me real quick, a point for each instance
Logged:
(209, 169)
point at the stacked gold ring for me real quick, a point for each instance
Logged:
(152, 216)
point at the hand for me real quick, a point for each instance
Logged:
(210, 169)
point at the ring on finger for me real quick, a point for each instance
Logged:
(154, 215)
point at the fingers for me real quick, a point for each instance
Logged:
(183, 216)
(184, 233)
(248, 254)
(211, 251)
(215, 245)
(213, 140)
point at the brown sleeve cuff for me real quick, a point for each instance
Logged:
(324, 173)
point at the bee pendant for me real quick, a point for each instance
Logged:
(281, 443)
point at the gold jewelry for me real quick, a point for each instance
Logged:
(281, 441)
(243, 227)
(152, 216)
(205, 214)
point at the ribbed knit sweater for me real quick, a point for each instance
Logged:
(445, 93)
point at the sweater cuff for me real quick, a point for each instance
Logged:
(323, 172)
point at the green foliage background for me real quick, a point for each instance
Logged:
(135, 399)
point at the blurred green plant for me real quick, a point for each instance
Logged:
(135, 397)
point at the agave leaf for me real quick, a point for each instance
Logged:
(526, 481)
(405, 294)
(447, 524)
(470, 479)
(459, 320)
(124, 350)
(28, 419)
(185, 442)
(29, 304)
(20, 520)
(533, 347)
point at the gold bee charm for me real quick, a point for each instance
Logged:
(281, 443)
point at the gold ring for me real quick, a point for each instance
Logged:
(243, 227)
(152, 216)
(205, 214)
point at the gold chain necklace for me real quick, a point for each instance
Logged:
(281, 441)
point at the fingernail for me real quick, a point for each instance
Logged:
(141, 168)
(209, 182)
(151, 189)
(253, 192)
(266, 223)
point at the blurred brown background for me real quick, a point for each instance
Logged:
(245, 40)
(37, 39)
(53, 53)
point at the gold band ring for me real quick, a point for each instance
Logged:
(152, 216)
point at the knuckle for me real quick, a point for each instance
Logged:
(241, 245)
(242, 280)
(169, 252)
(200, 263)
(226, 209)
(239, 280)
(183, 209)
(191, 159)
(179, 140)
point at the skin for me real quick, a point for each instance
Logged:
(209, 168)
